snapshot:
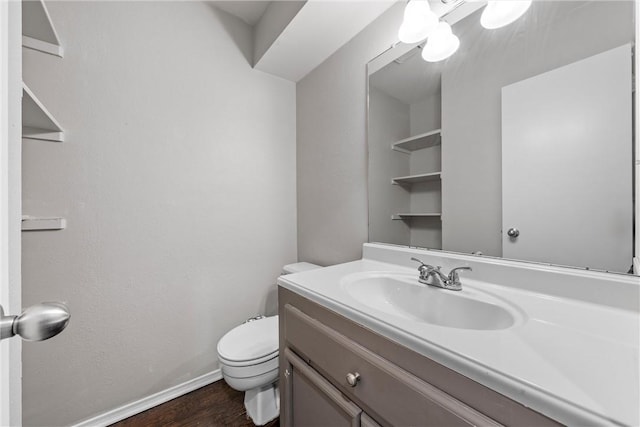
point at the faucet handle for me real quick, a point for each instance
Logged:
(453, 274)
(423, 267)
(417, 260)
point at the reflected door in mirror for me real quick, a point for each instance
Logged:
(566, 164)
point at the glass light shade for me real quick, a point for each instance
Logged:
(419, 21)
(441, 44)
(416, 8)
(499, 13)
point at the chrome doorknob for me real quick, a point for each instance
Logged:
(513, 232)
(37, 323)
(352, 379)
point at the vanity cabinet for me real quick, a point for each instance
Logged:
(337, 372)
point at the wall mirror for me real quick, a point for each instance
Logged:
(519, 145)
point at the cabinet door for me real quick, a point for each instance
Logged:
(311, 401)
(367, 421)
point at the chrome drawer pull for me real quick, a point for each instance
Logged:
(352, 379)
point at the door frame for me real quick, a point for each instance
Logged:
(636, 163)
(10, 204)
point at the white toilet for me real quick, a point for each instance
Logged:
(248, 356)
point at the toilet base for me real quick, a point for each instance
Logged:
(263, 404)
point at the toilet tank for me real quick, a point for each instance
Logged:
(298, 267)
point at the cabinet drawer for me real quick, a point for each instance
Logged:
(392, 395)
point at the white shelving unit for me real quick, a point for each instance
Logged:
(37, 121)
(415, 179)
(38, 32)
(418, 142)
(405, 216)
(30, 223)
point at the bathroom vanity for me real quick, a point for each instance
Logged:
(364, 343)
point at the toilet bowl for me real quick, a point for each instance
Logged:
(248, 356)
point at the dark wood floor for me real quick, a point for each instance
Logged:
(213, 405)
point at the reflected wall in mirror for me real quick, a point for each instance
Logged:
(525, 128)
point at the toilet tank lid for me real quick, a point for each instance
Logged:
(297, 267)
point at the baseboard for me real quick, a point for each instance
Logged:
(133, 408)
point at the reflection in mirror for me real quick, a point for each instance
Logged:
(517, 146)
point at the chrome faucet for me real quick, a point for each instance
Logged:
(432, 276)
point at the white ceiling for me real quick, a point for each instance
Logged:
(316, 31)
(249, 11)
(319, 29)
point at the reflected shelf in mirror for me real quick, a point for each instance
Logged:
(417, 142)
(414, 179)
(408, 216)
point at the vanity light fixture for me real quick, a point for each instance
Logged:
(418, 23)
(499, 13)
(441, 44)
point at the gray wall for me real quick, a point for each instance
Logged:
(389, 122)
(178, 183)
(550, 35)
(426, 114)
(332, 147)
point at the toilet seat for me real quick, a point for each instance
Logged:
(248, 371)
(241, 363)
(250, 350)
(250, 343)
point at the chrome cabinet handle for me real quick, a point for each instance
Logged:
(352, 379)
(37, 323)
(513, 232)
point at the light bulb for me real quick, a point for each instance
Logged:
(441, 44)
(499, 13)
(419, 21)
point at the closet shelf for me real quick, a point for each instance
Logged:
(417, 142)
(37, 122)
(413, 179)
(405, 216)
(31, 223)
(38, 32)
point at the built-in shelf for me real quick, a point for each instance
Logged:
(38, 32)
(37, 122)
(414, 179)
(31, 223)
(405, 216)
(417, 142)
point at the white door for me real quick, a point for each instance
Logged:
(41, 321)
(567, 164)
(10, 118)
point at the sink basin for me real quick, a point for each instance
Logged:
(403, 296)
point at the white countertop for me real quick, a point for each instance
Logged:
(571, 359)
